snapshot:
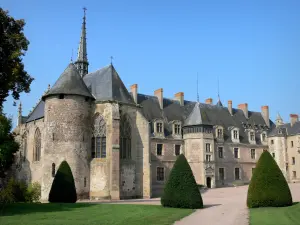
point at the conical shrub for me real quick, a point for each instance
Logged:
(63, 186)
(181, 190)
(268, 186)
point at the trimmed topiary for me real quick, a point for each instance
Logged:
(181, 189)
(268, 186)
(63, 186)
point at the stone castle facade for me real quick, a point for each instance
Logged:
(122, 144)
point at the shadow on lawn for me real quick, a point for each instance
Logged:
(28, 208)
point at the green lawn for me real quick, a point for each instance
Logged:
(279, 216)
(80, 213)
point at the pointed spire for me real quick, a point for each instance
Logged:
(279, 120)
(197, 89)
(20, 114)
(82, 61)
(219, 103)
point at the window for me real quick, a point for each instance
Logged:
(24, 146)
(207, 147)
(273, 154)
(160, 174)
(177, 149)
(252, 136)
(125, 138)
(208, 158)
(221, 174)
(99, 137)
(236, 153)
(53, 169)
(252, 153)
(158, 127)
(263, 137)
(237, 173)
(292, 144)
(294, 174)
(272, 142)
(84, 182)
(235, 134)
(159, 148)
(220, 151)
(220, 133)
(293, 161)
(177, 129)
(37, 145)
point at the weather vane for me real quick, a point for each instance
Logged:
(111, 59)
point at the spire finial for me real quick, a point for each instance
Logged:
(48, 87)
(218, 89)
(72, 56)
(20, 107)
(197, 89)
(111, 60)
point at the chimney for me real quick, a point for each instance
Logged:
(294, 118)
(209, 101)
(244, 107)
(265, 114)
(159, 94)
(180, 98)
(134, 91)
(230, 106)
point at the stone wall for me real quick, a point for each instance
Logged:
(293, 146)
(67, 136)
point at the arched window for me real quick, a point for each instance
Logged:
(37, 145)
(53, 169)
(125, 138)
(24, 142)
(99, 137)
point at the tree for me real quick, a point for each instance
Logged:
(8, 146)
(13, 45)
(63, 186)
(268, 186)
(181, 190)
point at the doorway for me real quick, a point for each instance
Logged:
(208, 182)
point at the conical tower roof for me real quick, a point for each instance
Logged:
(69, 83)
(197, 117)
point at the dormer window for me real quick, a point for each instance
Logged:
(252, 137)
(177, 129)
(263, 137)
(219, 133)
(235, 134)
(159, 127)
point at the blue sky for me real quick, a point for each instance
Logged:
(252, 46)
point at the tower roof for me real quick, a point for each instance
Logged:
(82, 50)
(69, 83)
(106, 85)
(197, 117)
(219, 103)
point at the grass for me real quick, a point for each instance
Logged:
(279, 216)
(82, 213)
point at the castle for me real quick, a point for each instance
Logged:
(122, 144)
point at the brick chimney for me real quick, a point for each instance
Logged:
(294, 118)
(209, 101)
(265, 114)
(180, 98)
(230, 107)
(134, 91)
(159, 94)
(244, 107)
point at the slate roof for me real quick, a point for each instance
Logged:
(285, 130)
(69, 82)
(106, 85)
(214, 114)
(37, 112)
(197, 117)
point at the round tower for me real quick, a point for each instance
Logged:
(199, 146)
(67, 121)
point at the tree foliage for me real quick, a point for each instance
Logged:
(181, 189)
(268, 186)
(13, 45)
(63, 186)
(8, 146)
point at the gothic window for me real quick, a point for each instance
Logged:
(53, 169)
(24, 142)
(37, 145)
(125, 138)
(99, 137)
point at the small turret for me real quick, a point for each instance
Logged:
(279, 120)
